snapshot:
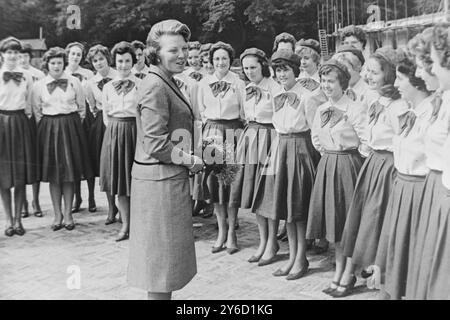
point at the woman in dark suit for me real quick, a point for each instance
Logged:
(162, 251)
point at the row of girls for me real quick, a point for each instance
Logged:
(358, 161)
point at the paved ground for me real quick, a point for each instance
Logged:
(43, 264)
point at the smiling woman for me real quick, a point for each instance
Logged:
(162, 251)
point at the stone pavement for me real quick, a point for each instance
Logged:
(42, 264)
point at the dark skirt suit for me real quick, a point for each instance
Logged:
(162, 251)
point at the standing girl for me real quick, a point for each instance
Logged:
(119, 103)
(17, 157)
(59, 107)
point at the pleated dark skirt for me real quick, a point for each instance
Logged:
(284, 186)
(117, 156)
(402, 216)
(427, 233)
(18, 159)
(63, 149)
(332, 194)
(252, 151)
(88, 120)
(366, 213)
(225, 129)
(95, 139)
(439, 278)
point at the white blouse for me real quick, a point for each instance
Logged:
(94, 91)
(189, 89)
(446, 172)
(340, 127)
(59, 101)
(259, 100)
(221, 99)
(81, 73)
(14, 95)
(140, 74)
(123, 104)
(35, 73)
(409, 145)
(437, 134)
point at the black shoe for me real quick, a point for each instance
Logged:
(110, 221)
(9, 232)
(92, 205)
(70, 226)
(330, 289)
(25, 213)
(20, 231)
(208, 211)
(57, 227)
(348, 289)
(37, 212)
(76, 206)
(199, 205)
(218, 249)
(300, 274)
(122, 236)
(320, 250)
(365, 274)
(231, 251)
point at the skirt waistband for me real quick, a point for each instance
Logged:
(302, 134)
(410, 178)
(123, 119)
(252, 124)
(223, 121)
(343, 152)
(384, 152)
(60, 115)
(12, 112)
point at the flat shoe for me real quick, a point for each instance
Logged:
(254, 259)
(122, 237)
(348, 289)
(330, 289)
(70, 226)
(365, 274)
(218, 249)
(266, 262)
(280, 273)
(110, 221)
(9, 232)
(232, 250)
(25, 215)
(298, 275)
(20, 231)
(38, 214)
(92, 206)
(76, 207)
(57, 227)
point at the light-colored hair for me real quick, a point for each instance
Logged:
(350, 59)
(441, 42)
(166, 27)
(301, 51)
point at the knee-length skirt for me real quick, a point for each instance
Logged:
(63, 149)
(332, 194)
(397, 236)
(162, 252)
(366, 213)
(117, 156)
(439, 278)
(252, 152)
(425, 241)
(18, 159)
(229, 131)
(284, 186)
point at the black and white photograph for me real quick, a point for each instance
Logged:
(253, 151)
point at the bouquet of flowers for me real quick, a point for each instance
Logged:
(219, 158)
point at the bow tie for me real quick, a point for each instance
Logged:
(309, 83)
(374, 112)
(140, 75)
(332, 115)
(123, 86)
(436, 102)
(102, 83)
(15, 76)
(62, 83)
(253, 92)
(180, 84)
(407, 121)
(77, 75)
(351, 94)
(219, 86)
(197, 76)
(292, 99)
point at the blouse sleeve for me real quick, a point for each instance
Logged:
(80, 98)
(105, 104)
(315, 132)
(199, 100)
(29, 94)
(358, 119)
(90, 97)
(36, 101)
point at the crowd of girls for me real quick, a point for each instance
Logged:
(353, 151)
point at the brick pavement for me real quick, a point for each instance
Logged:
(36, 266)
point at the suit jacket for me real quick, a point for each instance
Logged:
(164, 127)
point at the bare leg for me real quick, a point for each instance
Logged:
(5, 194)
(159, 296)
(36, 204)
(25, 212)
(221, 214)
(124, 207)
(78, 200)
(232, 218)
(292, 238)
(91, 188)
(19, 197)
(300, 258)
(56, 195)
(349, 273)
(340, 263)
(272, 242)
(112, 208)
(68, 193)
(263, 229)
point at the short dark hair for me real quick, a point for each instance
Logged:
(264, 67)
(55, 52)
(10, 43)
(221, 45)
(284, 37)
(98, 49)
(342, 76)
(408, 68)
(76, 44)
(283, 64)
(27, 49)
(353, 31)
(122, 48)
(136, 44)
(388, 59)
